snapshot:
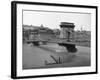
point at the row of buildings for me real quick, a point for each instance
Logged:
(67, 32)
(37, 32)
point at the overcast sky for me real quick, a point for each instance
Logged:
(53, 19)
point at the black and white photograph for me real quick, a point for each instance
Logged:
(54, 39)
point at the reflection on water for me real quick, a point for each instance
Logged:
(58, 52)
(56, 56)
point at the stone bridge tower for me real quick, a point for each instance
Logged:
(67, 34)
(67, 31)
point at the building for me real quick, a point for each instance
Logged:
(37, 33)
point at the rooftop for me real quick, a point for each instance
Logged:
(67, 24)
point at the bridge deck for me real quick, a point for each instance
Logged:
(78, 43)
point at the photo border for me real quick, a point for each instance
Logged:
(14, 38)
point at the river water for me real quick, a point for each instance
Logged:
(46, 56)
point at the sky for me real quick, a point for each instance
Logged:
(53, 19)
